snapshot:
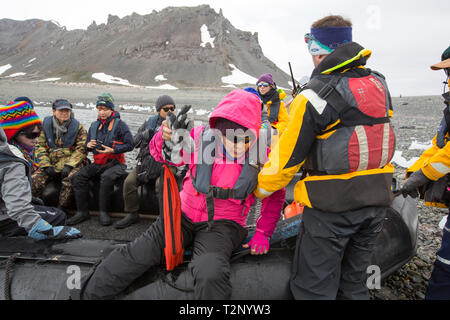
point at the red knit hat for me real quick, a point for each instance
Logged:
(16, 116)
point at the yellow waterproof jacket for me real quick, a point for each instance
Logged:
(435, 165)
(283, 116)
(311, 118)
(434, 162)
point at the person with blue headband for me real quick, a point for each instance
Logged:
(339, 135)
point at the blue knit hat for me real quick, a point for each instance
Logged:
(252, 90)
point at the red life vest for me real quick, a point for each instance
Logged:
(362, 138)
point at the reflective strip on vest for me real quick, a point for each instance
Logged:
(318, 103)
(441, 168)
(363, 148)
(385, 151)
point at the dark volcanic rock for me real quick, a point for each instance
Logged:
(136, 48)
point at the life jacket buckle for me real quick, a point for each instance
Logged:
(221, 193)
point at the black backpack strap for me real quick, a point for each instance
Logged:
(326, 90)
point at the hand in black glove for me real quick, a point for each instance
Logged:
(50, 171)
(180, 121)
(416, 180)
(171, 149)
(65, 171)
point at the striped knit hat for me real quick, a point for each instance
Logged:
(16, 116)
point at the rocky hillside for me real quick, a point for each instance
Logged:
(181, 46)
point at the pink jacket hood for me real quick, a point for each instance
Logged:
(241, 107)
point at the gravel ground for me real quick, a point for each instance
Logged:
(415, 120)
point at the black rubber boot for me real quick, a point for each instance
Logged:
(103, 216)
(82, 202)
(127, 221)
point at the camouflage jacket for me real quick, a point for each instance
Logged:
(59, 156)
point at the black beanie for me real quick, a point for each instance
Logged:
(162, 101)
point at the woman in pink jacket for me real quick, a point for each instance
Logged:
(213, 232)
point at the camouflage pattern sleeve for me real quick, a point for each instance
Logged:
(42, 152)
(79, 152)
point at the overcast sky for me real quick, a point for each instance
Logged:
(405, 37)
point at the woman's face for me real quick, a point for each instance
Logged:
(166, 109)
(62, 115)
(264, 87)
(29, 139)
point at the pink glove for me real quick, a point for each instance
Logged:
(259, 243)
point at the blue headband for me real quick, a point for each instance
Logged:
(332, 37)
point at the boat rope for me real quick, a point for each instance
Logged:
(8, 264)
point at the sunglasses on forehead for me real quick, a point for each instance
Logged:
(263, 84)
(166, 109)
(31, 135)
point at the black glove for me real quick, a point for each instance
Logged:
(172, 148)
(65, 171)
(50, 171)
(180, 121)
(416, 180)
(37, 201)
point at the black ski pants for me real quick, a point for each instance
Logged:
(210, 264)
(109, 173)
(333, 253)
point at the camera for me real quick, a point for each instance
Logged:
(98, 145)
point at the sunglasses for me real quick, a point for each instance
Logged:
(31, 135)
(239, 139)
(263, 84)
(166, 109)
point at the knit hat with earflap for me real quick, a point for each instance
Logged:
(17, 115)
(162, 101)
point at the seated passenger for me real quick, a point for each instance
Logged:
(60, 152)
(271, 98)
(147, 168)
(108, 139)
(19, 132)
(213, 233)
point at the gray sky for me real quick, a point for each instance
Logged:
(405, 37)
